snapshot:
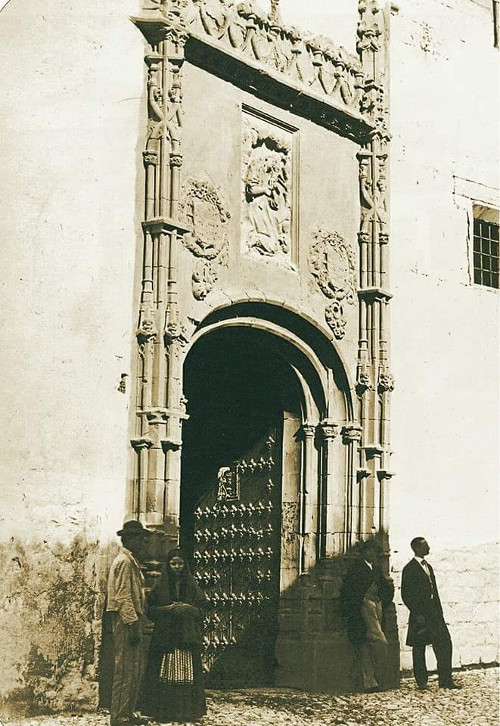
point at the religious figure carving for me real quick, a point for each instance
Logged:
(205, 214)
(334, 267)
(267, 212)
(373, 201)
(156, 121)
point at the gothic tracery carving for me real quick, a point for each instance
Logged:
(334, 266)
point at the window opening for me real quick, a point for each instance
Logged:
(485, 249)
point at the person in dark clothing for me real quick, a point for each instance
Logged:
(426, 624)
(365, 591)
(173, 685)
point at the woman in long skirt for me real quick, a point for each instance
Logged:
(173, 686)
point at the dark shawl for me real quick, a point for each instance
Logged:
(179, 629)
(358, 579)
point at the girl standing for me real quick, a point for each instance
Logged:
(174, 688)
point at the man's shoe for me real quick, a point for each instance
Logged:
(452, 685)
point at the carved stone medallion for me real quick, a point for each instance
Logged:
(266, 190)
(206, 216)
(333, 265)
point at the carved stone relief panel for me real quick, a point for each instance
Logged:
(206, 216)
(333, 265)
(267, 190)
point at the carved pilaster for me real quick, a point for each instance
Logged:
(160, 334)
(373, 380)
(351, 436)
(332, 497)
(141, 446)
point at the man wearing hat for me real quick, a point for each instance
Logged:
(125, 602)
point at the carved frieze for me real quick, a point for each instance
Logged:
(266, 190)
(261, 37)
(206, 216)
(333, 265)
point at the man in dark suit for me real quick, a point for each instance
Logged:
(426, 625)
(365, 591)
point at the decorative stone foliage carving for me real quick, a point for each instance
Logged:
(146, 330)
(363, 379)
(261, 37)
(206, 217)
(267, 189)
(386, 381)
(370, 26)
(333, 265)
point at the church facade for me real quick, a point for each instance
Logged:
(217, 354)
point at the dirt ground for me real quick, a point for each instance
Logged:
(476, 704)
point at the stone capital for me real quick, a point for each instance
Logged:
(142, 443)
(171, 444)
(373, 450)
(384, 474)
(330, 429)
(351, 432)
(308, 430)
(150, 158)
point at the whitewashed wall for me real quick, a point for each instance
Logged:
(68, 144)
(445, 330)
(69, 138)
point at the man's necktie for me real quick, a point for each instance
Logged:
(425, 567)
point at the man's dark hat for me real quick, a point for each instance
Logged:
(132, 527)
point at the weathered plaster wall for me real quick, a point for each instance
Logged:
(70, 113)
(445, 334)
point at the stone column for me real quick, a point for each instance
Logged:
(332, 501)
(351, 437)
(373, 237)
(307, 499)
(160, 406)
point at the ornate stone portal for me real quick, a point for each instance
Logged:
(312, 79)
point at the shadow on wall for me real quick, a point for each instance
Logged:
(300, 643)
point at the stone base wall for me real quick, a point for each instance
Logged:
(312, 649)
(52, 598)
(468, 582)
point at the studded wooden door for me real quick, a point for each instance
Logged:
(236, 557)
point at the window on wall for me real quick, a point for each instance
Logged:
(485, 247)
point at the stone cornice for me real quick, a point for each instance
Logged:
(280, 90)
(307, 75)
